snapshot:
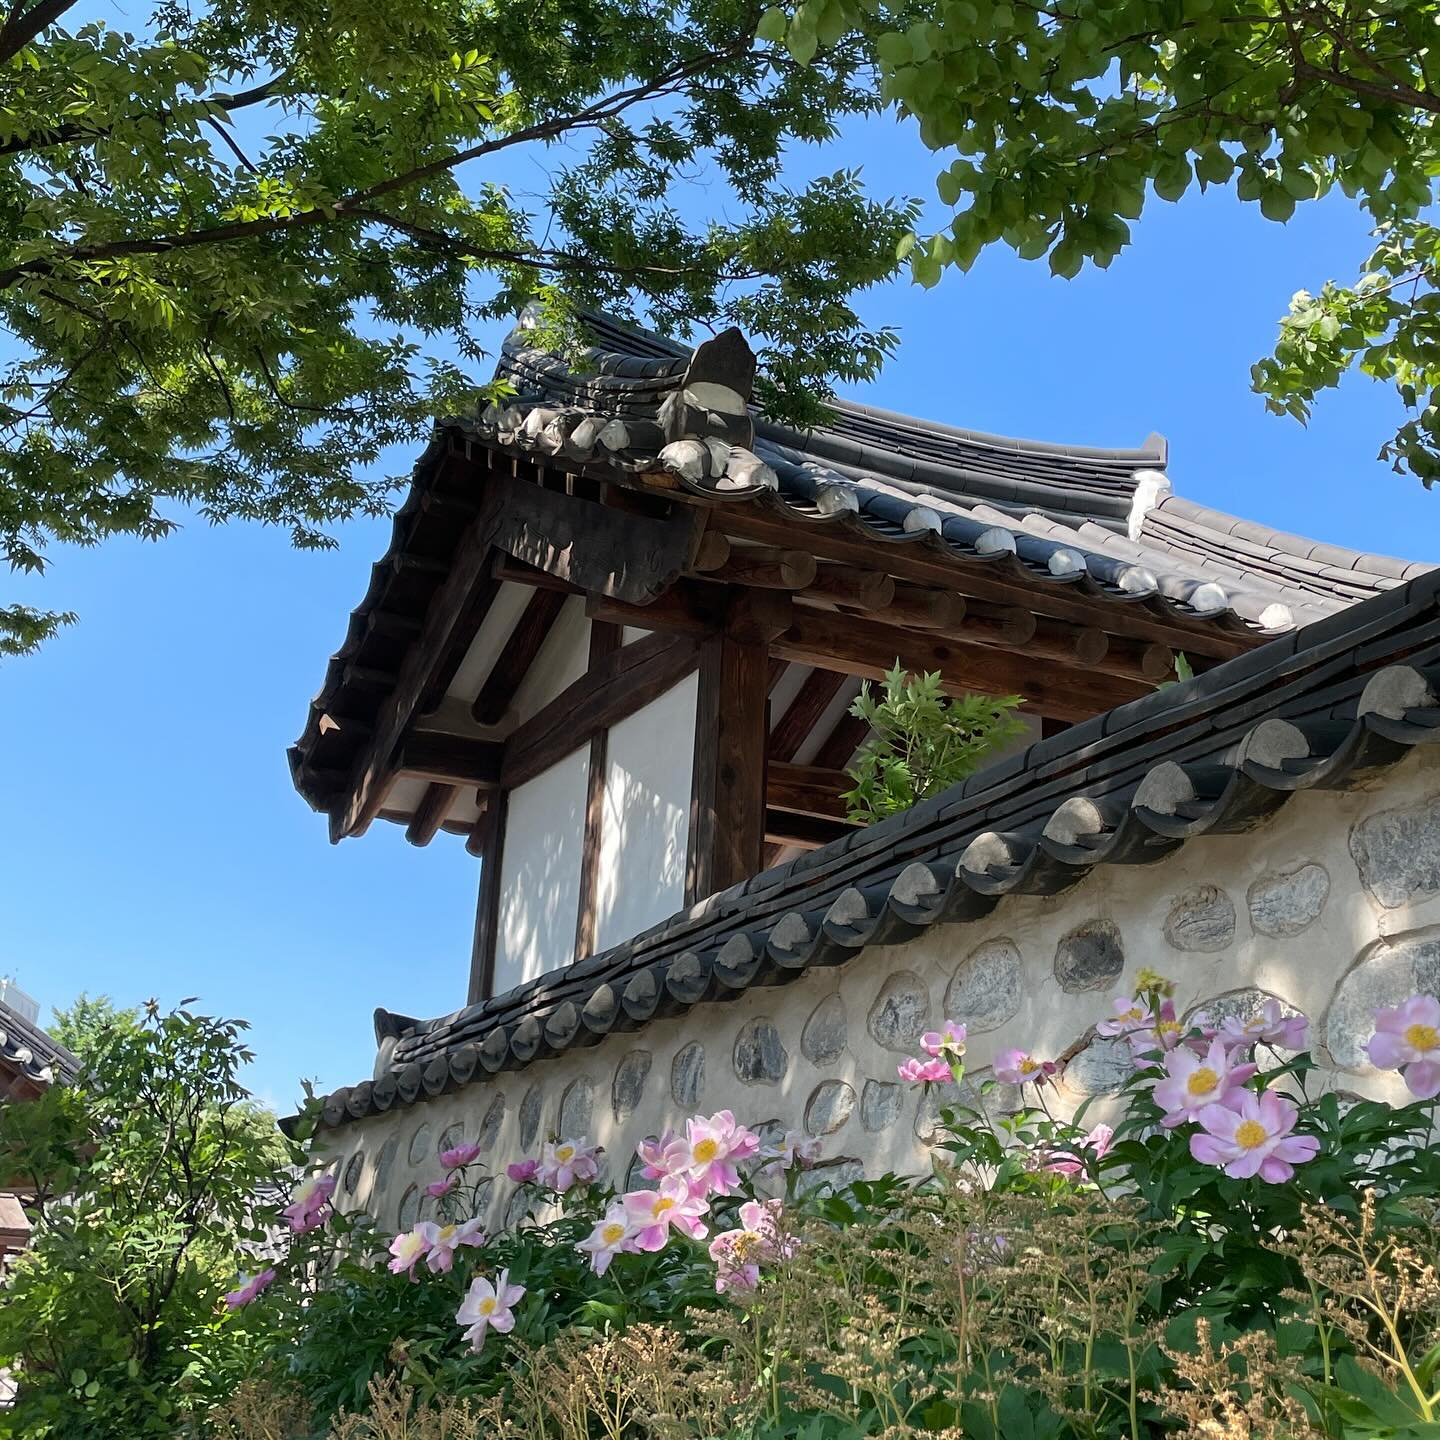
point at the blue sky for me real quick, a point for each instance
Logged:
(154, 845)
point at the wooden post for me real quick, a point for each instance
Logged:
(727, 806)
(604, 641)
(488, 841)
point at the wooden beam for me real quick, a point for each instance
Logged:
(864, 647)
(445, 634)
(630, 678)
(713, 551)
(604, 642)
(727, 811)
(430, 813)
(517, 572)
(844, 740)
(926, 608)
(516, 656)
(766, 568)
(805, 832)
(684, 609)
(803, 713)
(851, 588)
(454, 759)
(807, 789)
(487, 840)
(1002, 582)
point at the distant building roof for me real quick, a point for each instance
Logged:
(30, 1059)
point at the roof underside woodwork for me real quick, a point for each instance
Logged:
(637, 488)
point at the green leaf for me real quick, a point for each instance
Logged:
(772, 25)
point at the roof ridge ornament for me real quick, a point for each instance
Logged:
(1151, 487)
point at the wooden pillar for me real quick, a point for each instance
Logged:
(604, 641)
(488, 841)
(727, 808)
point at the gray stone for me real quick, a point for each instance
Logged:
(1284, 903)
(353, 1168)
(490, 1125)
(450, 1137)
(1101, 1068)
(1240, 1005)
(408, 1211)
(880, 1105)
(1386, 973)
(634, 1179)
(828, 1107)
(830, 1175)
(826, 1032)
(1089, 957)
(628, 1087)
(771, 1132)
(1202, 919)
(997, 1100)
(1398, 853)
(901, 1011)
(577, 1107)
(420, 1144)
(384, 1164)
(760, 1057)
(530, 1108)
(986, 990)
(687, 1076)
(517, 1208)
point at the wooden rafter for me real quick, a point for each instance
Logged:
(804, 712)
(807, 789)
(430, 813)
(516, 656)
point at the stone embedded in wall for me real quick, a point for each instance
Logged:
(409, 1209)
(880, 1105)
(1089, 957)
(353, 1169)
(628, 1087)
(986, 990)
(420, 1144)
(687, 1076)
(826, 1032)
(490, 1125)
(450, 1137)
(1202, 919)
(901, 1011)
(1240, 1005)
(829, 1107)
(517, 1208)
(830, 1175)
(384, 1164)
(1398, 853)
(1386, 973)
(634, 1174)
(1284, 903)
(1101, 1068)
(999, 1100)
(760, 1056)
(577, 1107)
(530, 1108)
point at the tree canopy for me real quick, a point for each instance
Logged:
(1062, 119)
(247, 248)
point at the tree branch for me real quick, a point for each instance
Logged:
(20, 29)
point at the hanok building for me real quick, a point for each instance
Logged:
(614, 644)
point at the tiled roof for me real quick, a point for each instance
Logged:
(1322, 708)
(27, 1051)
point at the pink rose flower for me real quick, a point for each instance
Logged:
(1191, 1082)
(442, 1241)
(436, 1188)
(1271, 1025)
(663, 1155)
(1015, 1067)
(947, 1043)
(250, 1286)
(1096, 1144)
(309, 1208)
(712, 1148)
(611, 1237)
(1163, 1033)
(1407, 1038)
(567, 1163)
(652, 1214)
(489, 1306)
(407, 1250)
(924, 1072)
(739, 1253)
(1253, 1138)
(523, 1171)
(1127, 1015)
(459, 1156)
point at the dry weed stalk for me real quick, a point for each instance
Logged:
(1242, 1391)
(394, 1415)
(261, 1410)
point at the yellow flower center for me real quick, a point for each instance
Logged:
(1029, 1066)
(1422, 1037)
(662, 1204)
(1167, 1027)
(612, 1233)
(1249, 1134)
(488, 1305)
(706, 1151)
(1202, 1082)
(1133, 1013)
(446, 1231)
(564, 1152)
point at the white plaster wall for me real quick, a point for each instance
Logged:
(1368, 943)
(560, 661)
(646, 818)
(540, 872)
